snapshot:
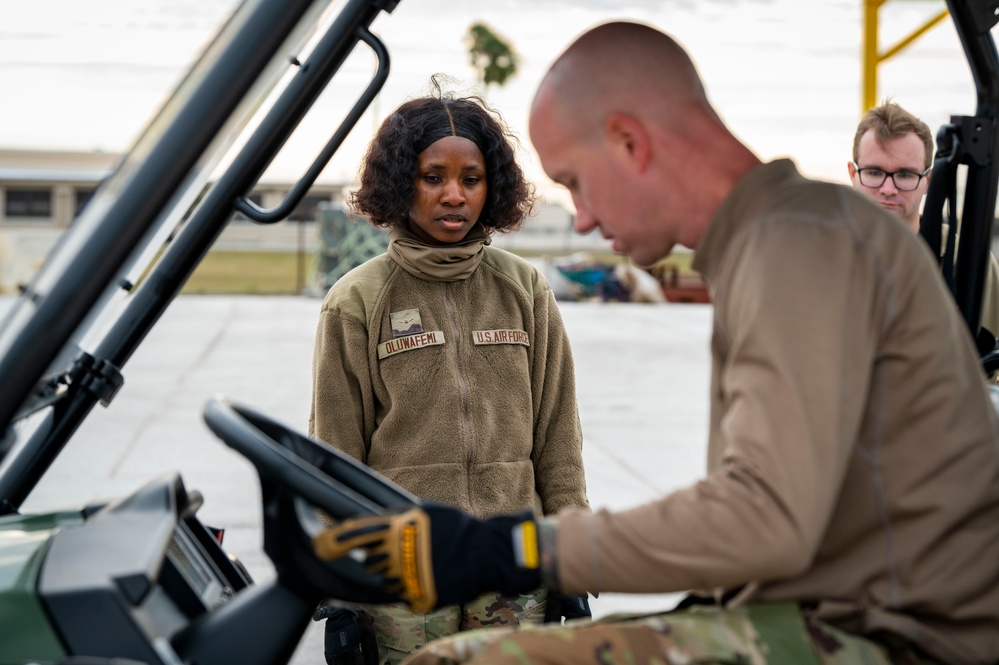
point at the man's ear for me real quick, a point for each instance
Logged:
(851, 169)
(626, 134)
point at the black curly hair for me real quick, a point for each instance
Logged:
(389, 169)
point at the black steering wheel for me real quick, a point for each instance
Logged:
(298, 475)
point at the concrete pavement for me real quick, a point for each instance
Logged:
(642, 386)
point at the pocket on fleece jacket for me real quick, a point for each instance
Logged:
(411, 366)
(509, 362)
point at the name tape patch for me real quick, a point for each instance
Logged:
(410, 342)
(480, 337)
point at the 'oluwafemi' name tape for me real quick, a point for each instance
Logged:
(410, 342)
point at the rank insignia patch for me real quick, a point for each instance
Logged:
(406, 322)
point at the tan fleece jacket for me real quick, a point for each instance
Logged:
(462, 392)
(853, 452)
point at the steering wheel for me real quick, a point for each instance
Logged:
(294, 469)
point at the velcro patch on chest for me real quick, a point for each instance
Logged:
(480, 337)
(410, 342)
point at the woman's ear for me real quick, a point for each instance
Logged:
(626, 135)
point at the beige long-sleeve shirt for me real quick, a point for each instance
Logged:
(853, 453)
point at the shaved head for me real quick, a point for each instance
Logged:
(622, 67)
(621, 120)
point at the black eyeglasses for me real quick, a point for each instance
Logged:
(905, 181)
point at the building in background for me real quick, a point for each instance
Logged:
(42, 192)
(46, 189)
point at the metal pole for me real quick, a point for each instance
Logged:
(870, 53)
(873, 56)
(300, 259)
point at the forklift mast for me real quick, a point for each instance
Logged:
(972, 142)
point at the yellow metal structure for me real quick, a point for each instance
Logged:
(874, 56)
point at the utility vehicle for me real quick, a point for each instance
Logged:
(141, 579)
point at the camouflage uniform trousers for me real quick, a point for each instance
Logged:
(772, 634)
(400, 631)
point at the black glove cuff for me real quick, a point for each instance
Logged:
(472, 556)
(514, 568)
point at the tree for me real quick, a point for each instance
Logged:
(491, 56)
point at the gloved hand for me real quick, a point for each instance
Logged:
(435, 555)
(560, 606)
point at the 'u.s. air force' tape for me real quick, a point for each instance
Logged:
(525, 544)
(480, 337)
(410, 342)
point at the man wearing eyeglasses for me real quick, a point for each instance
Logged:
(892, 157)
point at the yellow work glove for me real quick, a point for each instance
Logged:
(436, 555)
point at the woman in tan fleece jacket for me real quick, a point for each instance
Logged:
(443, 364)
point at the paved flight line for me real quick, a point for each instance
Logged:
(642, 387)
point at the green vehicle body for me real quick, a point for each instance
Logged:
(27, 632)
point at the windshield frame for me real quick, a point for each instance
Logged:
(86, 269)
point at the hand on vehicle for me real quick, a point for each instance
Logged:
(435, 555)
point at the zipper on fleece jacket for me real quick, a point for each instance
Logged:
(463, 389)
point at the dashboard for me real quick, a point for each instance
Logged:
(135, 573)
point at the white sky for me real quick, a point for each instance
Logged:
(785, 74)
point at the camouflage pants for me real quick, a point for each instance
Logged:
(400, 631)
(775, 634)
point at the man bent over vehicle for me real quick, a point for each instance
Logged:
(850, 512)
